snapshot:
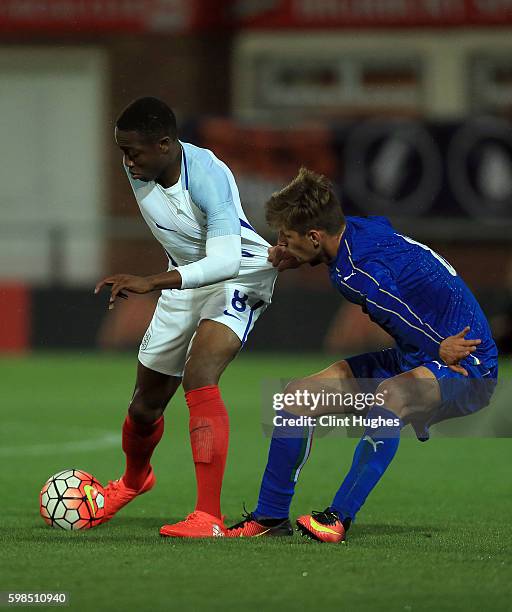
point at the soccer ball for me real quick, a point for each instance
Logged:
(72, 499)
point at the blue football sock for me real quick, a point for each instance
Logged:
(289, 451)
(372, 456)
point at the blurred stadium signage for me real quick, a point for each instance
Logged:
(371, 13)
(92, 16)
(392, 167)
(397, 168)
(479, 164)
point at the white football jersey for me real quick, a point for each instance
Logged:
(203, 204)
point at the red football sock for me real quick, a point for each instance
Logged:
(139, 441)
(209, 437)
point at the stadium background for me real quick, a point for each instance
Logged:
(406, 105)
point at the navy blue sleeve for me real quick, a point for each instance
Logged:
(387, 307)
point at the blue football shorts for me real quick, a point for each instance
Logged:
(460, 395)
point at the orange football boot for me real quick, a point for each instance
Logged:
(249, 527)
(198, 524)
(323, 526)
(117, 494)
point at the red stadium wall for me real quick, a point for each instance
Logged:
(15, 312)
(81, 16)
(329, 14)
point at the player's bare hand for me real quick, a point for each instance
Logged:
(281, 259)
(456, 348)
(121, 283)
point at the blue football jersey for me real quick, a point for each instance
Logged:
(408, 289)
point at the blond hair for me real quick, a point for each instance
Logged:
(308, 202)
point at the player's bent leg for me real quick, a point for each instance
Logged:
(213, 347)
(289, 450)
(372, 456)
(153, 391)
(334, 381)
(408, 396)
(412, 395)
(142, 431)
(291, 444)
(144, 425)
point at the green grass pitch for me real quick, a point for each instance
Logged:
(435, 535)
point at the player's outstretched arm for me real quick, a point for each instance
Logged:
(281, 259)
(455, 348)
(121, 283)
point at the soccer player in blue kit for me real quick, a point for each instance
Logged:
(434, 372)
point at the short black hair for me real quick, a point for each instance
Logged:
(150, 117)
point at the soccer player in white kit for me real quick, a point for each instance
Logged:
(217, 285)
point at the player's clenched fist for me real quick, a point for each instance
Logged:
(455, 348)
(281, 259)
(124, 282)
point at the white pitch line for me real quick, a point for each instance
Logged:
(104, 441)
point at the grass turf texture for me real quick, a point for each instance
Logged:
(434, 535)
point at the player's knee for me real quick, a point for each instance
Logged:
(295, 386)
(316, 394)
(395, 399)
(293, 390)
(146, 407)
(343, 369)
(199, 373)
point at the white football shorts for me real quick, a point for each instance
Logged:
(237, 303)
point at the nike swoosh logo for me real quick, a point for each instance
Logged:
(321, 528)
(87, 491)
(231, 315)
(165, 228)
(262, 533)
